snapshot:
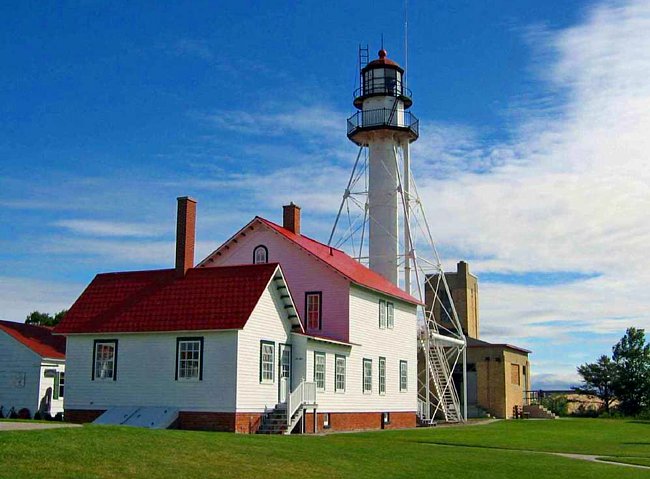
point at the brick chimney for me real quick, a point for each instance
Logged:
(185, 235)
(462, 268)
(291, 218)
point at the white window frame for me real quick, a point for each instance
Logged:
(382, 375)
(59, 385)
(189, 359)
(339, 373)
(309, 309)
(367, 376)
(320, 374)
(260, 255)
(390, 315)
(102, 360)
(403, 375)
(382, 314)
(267, 362)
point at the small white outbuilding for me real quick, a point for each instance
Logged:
(32, 369)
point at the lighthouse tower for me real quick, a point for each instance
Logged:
(393, 216)
(384, 125)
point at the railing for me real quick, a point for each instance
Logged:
(305, 393)
(383, 117)
(394, 88)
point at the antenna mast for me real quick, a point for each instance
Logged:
(406, 41)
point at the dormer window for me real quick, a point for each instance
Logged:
(260, 255)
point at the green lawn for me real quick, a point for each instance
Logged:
(481, 451)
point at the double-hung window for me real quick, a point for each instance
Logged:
(267, 361)
(403, 376)
(189, 359)
(367, 376)
(382, 314)
(382, 375)
(105, 359)
(339, 373)
(390, 315)
(319, 370)
(59, 385)
(313, 309)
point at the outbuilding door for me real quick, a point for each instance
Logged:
(284, 364)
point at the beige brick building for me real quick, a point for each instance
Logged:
(498, 375)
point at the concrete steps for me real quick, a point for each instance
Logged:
(537, 411)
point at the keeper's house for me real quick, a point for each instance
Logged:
(32, 369)
(272, 332)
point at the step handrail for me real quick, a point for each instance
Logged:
(304, 393)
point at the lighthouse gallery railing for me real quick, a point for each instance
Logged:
(383, 117)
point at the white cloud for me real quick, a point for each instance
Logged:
(569, 192)
(21, 296)
(572, 193)
(135, 253)
(110, 228)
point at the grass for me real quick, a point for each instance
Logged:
(481, 451)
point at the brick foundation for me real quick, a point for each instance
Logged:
(357, 421)
(80, 416)
(248, 423)
(206, 421)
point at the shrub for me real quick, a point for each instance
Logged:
(557, 404)
(24, 414)
(644, 415)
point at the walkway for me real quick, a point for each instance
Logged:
(600, 459)
(32, 425)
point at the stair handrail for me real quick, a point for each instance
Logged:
(304, 393)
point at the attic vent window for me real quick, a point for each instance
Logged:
(260, 255)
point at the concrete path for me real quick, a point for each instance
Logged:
(33, 426)
(600, 459)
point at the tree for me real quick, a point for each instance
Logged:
(598, 379)
(632, 382)
(44, 319)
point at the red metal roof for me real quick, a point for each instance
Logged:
(204, 299)
(37, 338)
(344, 264)
(382, 61)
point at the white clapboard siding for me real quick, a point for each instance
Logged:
(393, 344)
(56, 405)
(268, 322)
(146, 366)
(19, 375)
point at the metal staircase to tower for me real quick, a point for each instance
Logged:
(383, 102)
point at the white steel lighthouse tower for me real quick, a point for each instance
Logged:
(387, 226)
(384, 125)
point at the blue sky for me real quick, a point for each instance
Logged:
(534, 119)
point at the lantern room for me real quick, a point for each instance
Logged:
(383, 102)
(382, 77)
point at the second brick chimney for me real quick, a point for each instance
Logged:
(291, 218)
(185, 235)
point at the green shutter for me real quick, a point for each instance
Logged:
(55, 394)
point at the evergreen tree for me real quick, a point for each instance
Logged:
(632, 381)
(44, 319)
(598, 379)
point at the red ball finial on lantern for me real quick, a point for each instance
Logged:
(382, 53)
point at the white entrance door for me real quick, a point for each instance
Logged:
(285, 372)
